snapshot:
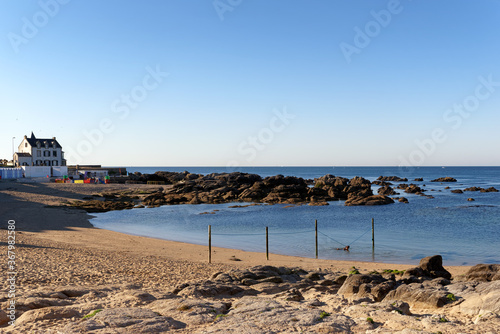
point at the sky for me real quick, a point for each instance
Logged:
(254, 83)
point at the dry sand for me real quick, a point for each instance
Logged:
(57, 246)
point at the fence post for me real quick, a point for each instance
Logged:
(316, 229)
(373, 234)
(209, 243)
(267, 243)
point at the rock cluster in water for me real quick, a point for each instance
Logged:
(243, 187)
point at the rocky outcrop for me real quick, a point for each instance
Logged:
(457, 191)
(241, 187)
(444, 179)
(418, 179)
(103, 206)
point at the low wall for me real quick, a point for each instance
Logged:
(36, 171)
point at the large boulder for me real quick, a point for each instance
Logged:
(483, 272)
(429, 267)
(360, 286)
(433, 266)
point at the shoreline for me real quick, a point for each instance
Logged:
(72, 226)
(67, 270)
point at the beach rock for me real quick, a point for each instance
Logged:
(46, 313)
(417, 295)
(211, 289)
(381, 183)
(386, 191)
(429, 267)
(392, 178)
(473, 189)
(470, 199)
(370, 200)
(478, 299)
(489, 190)
(433, 267)
(418, 179)
(362, 286)
(444, 179)
(190, 311)
(125, 320)
(457, 191)
(102, 206)
(413, 189)
(483, 273)
(403, 200)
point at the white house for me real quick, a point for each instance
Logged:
(39, 152)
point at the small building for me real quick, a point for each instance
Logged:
(39, 152)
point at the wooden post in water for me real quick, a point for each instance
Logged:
(316, 229)
(267, 243)
(373, 234)
(209, 243)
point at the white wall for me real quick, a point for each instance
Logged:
(36, 171)
(59, 171)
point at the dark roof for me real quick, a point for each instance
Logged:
(22, 154)
(33, 141)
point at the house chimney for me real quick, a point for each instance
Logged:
(25, 137)
(53, 138)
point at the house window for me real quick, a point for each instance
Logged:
(54, 153)
(54, 163)
(39, 162)
(25, 144)
(38, 144)
(38, 153)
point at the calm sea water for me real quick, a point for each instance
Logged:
(464, 233)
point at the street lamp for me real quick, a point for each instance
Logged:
(13, 149)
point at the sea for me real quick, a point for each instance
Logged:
(463, 232)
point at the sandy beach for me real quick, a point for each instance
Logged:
(56, 248)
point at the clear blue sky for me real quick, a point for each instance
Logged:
(362, 82)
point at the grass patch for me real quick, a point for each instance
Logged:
(395, 272)
(451, 297)
(354, 271)
(93, 313)
(220, 316)
(324, 315)
(370, 320)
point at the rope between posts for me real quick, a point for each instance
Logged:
(326, 235)
(360, 237)
(274, 233)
